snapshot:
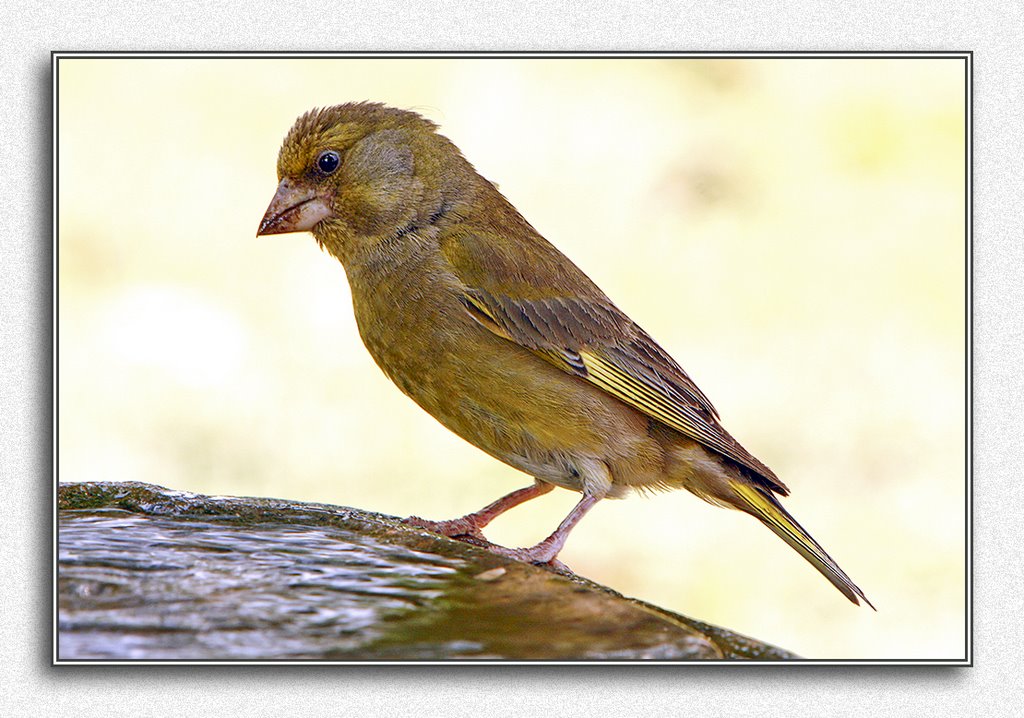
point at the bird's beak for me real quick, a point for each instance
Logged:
(296, 207)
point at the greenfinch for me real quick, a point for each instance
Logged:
(499, 336)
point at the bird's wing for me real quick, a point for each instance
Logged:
(596, 341)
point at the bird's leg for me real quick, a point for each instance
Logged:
(471, 524)
(547, 550)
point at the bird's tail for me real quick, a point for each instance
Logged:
(769, 511)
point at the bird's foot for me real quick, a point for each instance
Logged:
(543, 554)
(466, 529)
(452, 528)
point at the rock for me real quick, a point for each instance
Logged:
(152, 574)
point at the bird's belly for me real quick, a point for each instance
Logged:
(509, 402)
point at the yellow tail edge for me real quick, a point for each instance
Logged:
(770, 512)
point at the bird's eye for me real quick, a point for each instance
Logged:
(328, 161)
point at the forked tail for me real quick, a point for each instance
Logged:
(770, 512)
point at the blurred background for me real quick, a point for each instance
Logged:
(790, 230)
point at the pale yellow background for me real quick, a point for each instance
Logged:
(792, 231)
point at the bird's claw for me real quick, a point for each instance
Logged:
(543, 554)
(539, 555)
(452, 528)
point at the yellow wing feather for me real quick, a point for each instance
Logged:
(652, 402)
(601, 345)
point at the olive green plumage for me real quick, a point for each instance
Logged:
(499, 336)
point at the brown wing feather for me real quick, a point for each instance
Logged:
(561, 315)
(602, 345)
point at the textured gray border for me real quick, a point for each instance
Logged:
(33, 688)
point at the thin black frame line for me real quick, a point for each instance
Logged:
(740, 663)
(967, 56)
(969, 364)
(55, 359)
(517, 54)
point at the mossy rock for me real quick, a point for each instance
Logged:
(152, 574)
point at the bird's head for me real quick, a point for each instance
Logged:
(359, 173)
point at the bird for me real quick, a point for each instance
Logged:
(502, 338)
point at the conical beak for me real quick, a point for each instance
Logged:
(296, 207)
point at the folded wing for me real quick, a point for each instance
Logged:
(594, 340)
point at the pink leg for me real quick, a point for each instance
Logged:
(547, 550)
(470, 524)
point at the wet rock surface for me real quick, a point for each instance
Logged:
(146, 573)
